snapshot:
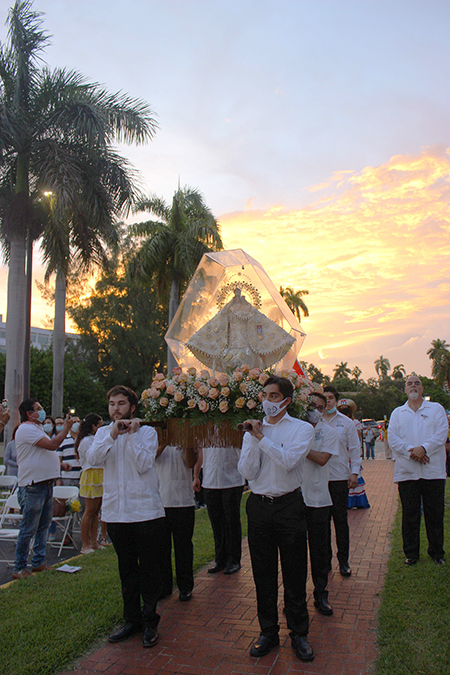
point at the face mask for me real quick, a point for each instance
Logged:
(313, 416)
(48, 428)
(59, 427)
(75, 427)
(42, 416)
(330, 412)
(272, 409)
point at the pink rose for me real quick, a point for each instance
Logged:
(251, 404)
(191, 404)
(204, 373)
(171, 389)
(302, 396)
(260, 396)
(240, 402)
(262, 379)
(192, 372)
(159, 376)
(145, 394)
(203, 390)
(177, 370)
(178, 396)
(203, 406)
(223, 380)
(213, 381)
(197, 385)
(154, 393)
(161, 384)
(245, 368)
(225, 391)
(243, 387)
(213, 393)
(164, 402)
(183, 377)
(237, 376)
(223, 406)
(254, 373)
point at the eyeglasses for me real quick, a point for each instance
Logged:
(320, 408)
(417, 383)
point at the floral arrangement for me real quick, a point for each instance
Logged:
(73, 505)
(202, 397)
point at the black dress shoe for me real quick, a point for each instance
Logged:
(185, 597)
(264, 644)
(216, 568)
(125, 631)
(323, 606)
(439, 561)
(411, 561)
(302, 648)
(232, 568)
(150, 637)
(345, 570)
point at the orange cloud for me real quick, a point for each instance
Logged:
(373, 251)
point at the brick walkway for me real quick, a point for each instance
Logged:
(211, 634)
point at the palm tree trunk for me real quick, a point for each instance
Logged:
(173, 306)
(59, 339)
(28, 293)
(15, 331)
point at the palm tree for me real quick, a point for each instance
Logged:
(356, 374)
(399, 372)
(382, 366)
(295, 301)
(174, 244)
(439, 353)
(341, 370)
(43, 116)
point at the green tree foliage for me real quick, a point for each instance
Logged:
(294, 300)
(82, 390)
(439, 353)
(122, 326)
(382, 366)
(341, 370)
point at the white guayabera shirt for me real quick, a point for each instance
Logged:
(315, 477)
(349, 448)
(428, 427)
(130, 482)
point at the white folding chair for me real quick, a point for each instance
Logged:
(7, 486)
(2, 469)
(8, 534)
(64, 492)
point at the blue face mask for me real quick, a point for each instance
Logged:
(330, 412)
(42, 416)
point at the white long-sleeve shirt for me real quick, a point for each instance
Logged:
(220, 468)
(315, 477)
(130, 482)
(273, 465)
(428, 427)
(349, 459)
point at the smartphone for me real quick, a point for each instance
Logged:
(5, 404)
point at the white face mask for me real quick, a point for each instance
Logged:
(314, 416)
(272, 409)
(48, 428)
(59, 427)
(75, 427)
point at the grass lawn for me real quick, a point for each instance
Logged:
(414, 618)
(50, 619)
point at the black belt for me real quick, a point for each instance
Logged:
(276, 500)
(49, 481)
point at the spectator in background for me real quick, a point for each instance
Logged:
(370, 436)
(49, 426)
(66, 452)
(11, 456)
(91, 485)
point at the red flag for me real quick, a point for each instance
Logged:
(299, 370)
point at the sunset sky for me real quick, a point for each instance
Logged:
(318, 132)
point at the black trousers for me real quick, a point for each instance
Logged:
(272, 528)
(318, 520)
(179, 526)
(224, 511)
(339, 495)
(138, 548)
(432, 494)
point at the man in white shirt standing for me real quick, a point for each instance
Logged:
(38, 469)
(271, 460)
(316, 496)
(417, 434)
(344, 471)
(133, 510)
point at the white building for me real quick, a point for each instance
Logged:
(40, 337)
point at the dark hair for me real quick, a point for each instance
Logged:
(319, 395)
(86, 425)
(332, 390)
(14, 431)
(284, 385)
(49, 417)
(26, 407)
(126, 391)
(346, 410)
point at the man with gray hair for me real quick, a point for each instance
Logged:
(417, 434)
